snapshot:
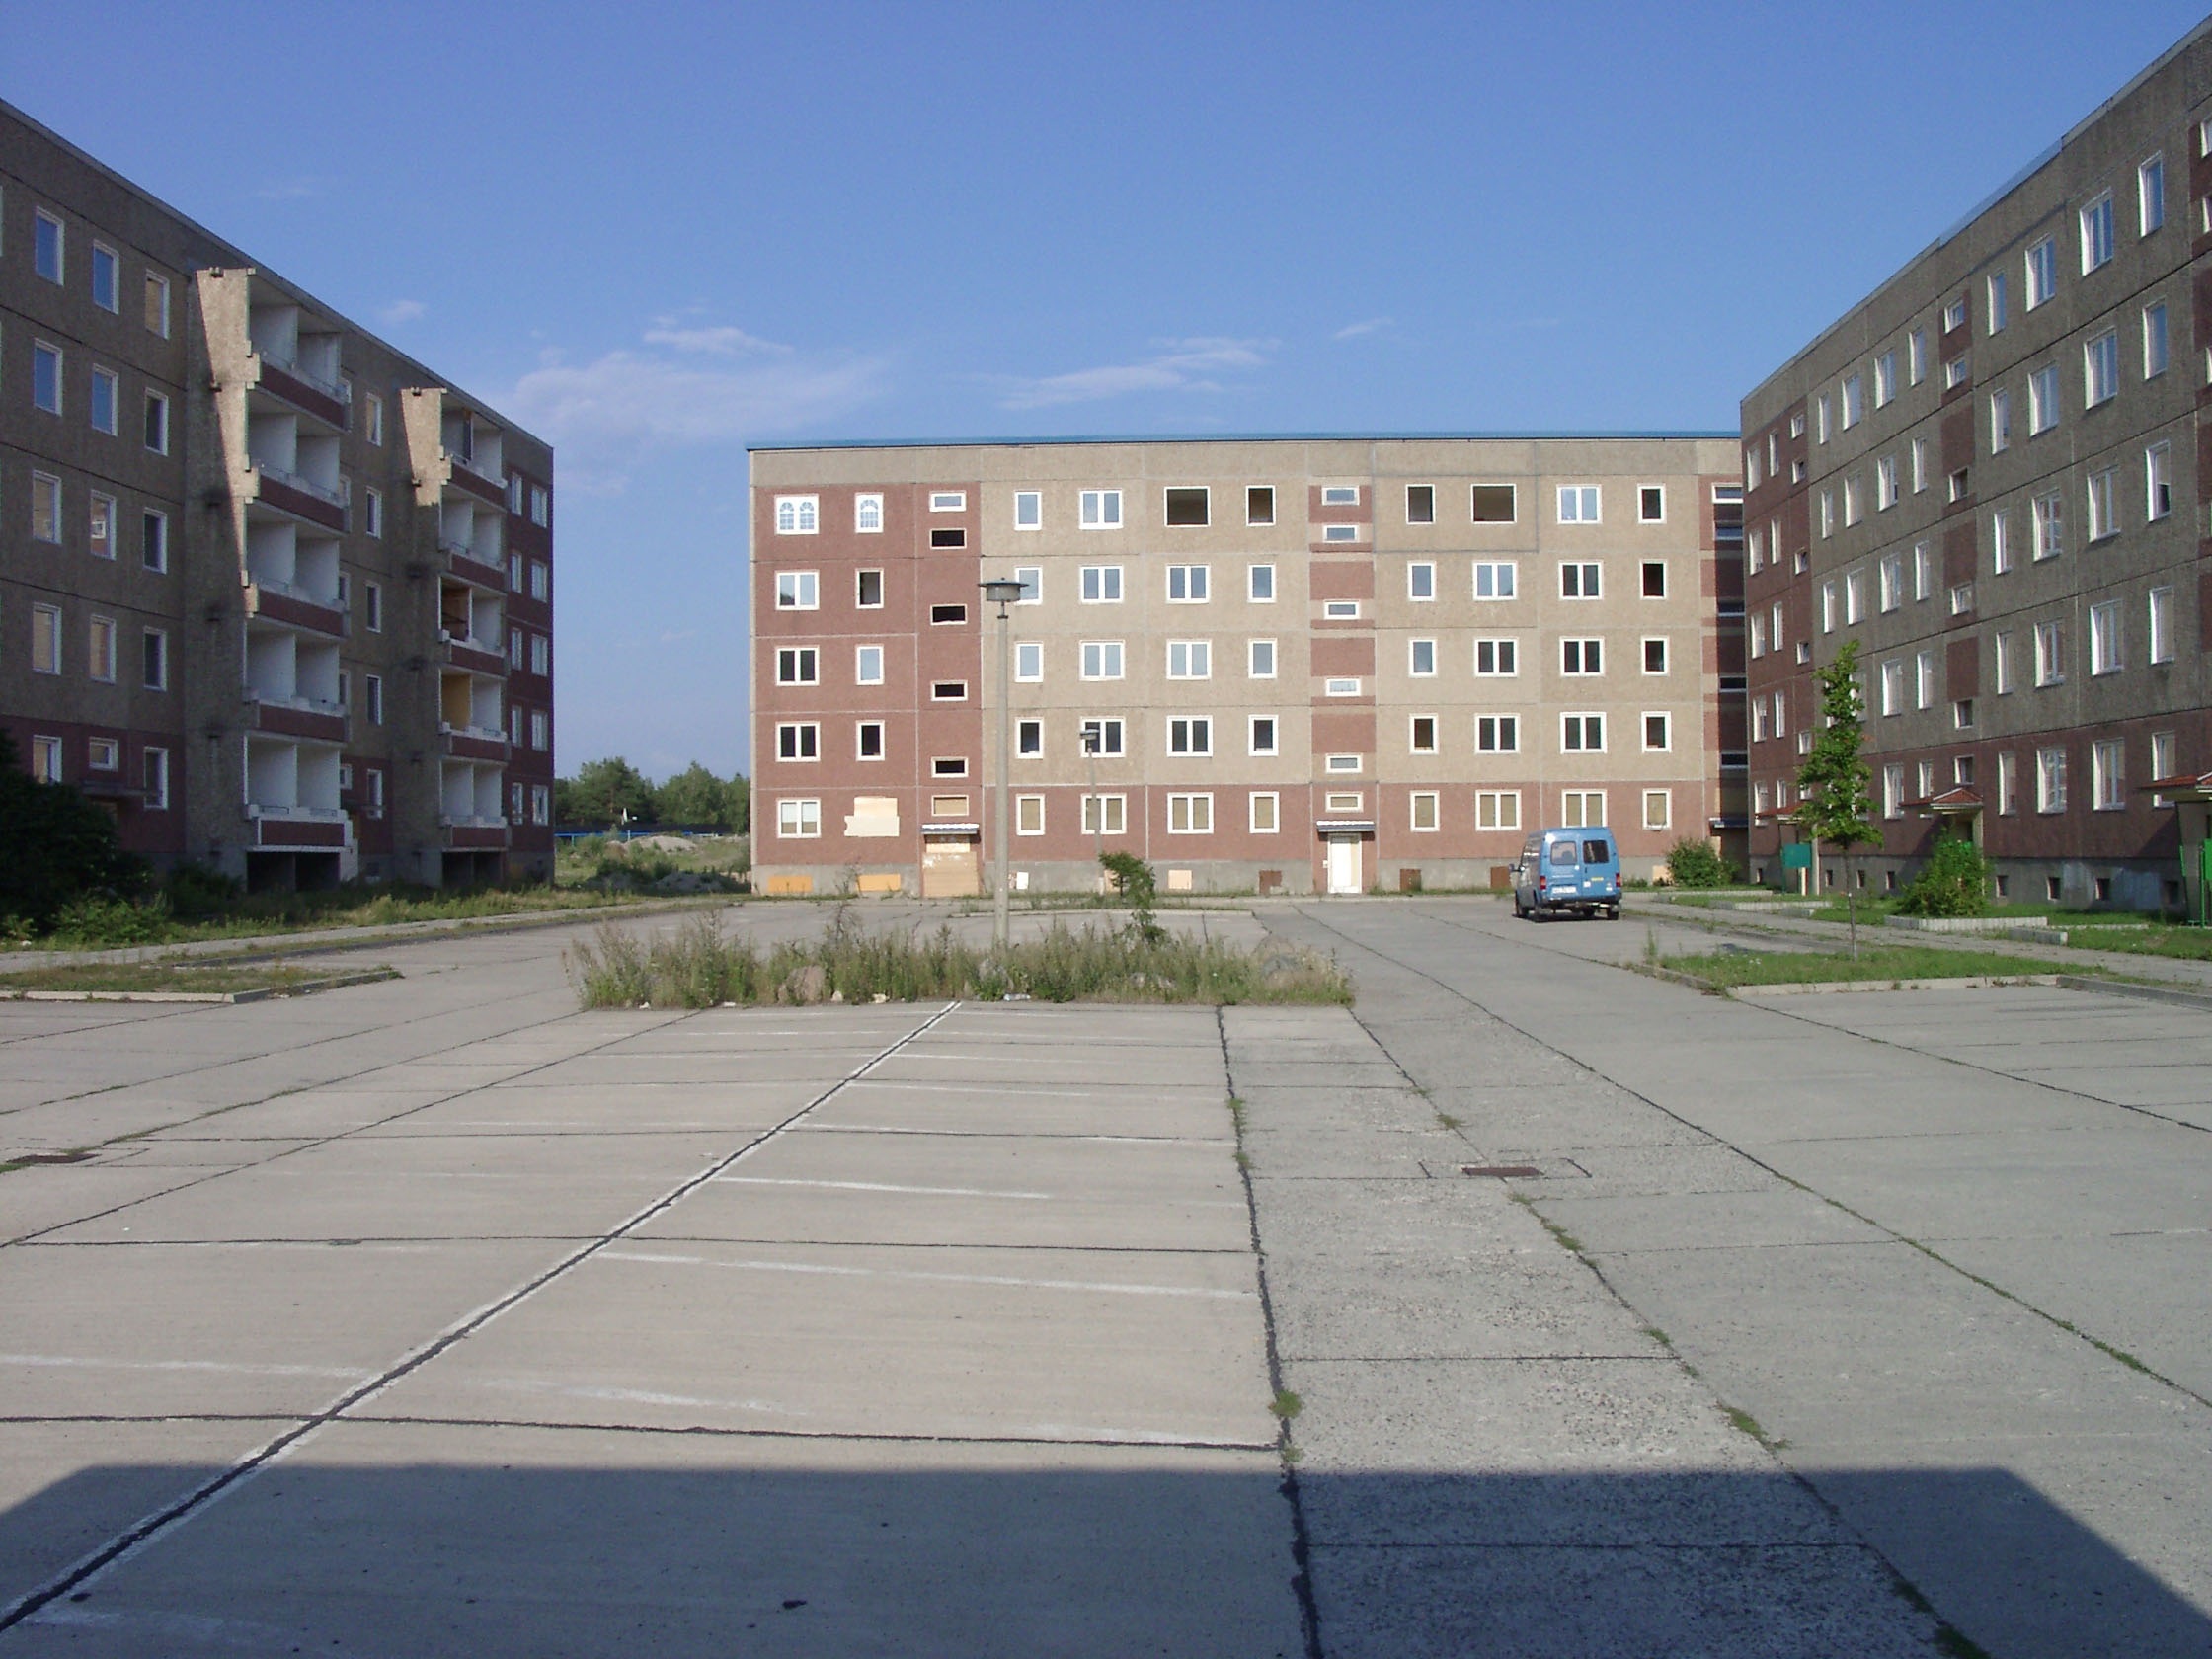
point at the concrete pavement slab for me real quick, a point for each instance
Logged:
(426, 1187)
(1022, 1108)
(388, 1539)
(149, 1330)
(1744, 1601)
(46, 1196)
(972, 1189)
(1051, 1344)
(1607, 1225)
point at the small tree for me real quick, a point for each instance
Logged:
(1138, 884)
(605, 789)
(694, 796)
(56, 846)
(1836, 781)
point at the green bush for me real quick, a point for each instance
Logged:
(99, 921)
(1954, 882)
(1695, 863)
(195, 893)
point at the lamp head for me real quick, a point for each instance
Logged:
(1001, 590)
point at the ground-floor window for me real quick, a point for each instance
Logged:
(1424, 809)
(1497, 809)
(1105, 815)
(799, 818)
(1190, 815)
(1029, 814)
(1582, 808)
(1267, 814)
(1658, 809)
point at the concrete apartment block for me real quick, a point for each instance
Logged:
(272, 593)
(1990, 474)
(1306, 664)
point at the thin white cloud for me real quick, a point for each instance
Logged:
(1186, 365)
(400, 311)
(723, 342)
(1352, 331)
(293, 190)
(607, 415)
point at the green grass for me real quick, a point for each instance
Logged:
(700, 966)
(1726, 970)
(256, 915)
(2147, 938)
(142, 977)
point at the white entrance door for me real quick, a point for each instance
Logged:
(1344, 864)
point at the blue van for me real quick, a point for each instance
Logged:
(1568, 872)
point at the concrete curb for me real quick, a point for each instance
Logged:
(2141, 993)
(331, 981)
(1964, 982)
(314, 942)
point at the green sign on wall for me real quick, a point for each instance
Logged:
(1797, 855)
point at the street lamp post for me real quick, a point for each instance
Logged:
(1092, 738)
(1001, 592)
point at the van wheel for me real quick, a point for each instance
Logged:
(1519, 910)
(1613, 914)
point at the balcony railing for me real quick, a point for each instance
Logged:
(453, 822)
(306, 705)
(294, 813)
(290, 590)
(337, 389)
(488, 734)
(305, 486)
(482, 469)
(469, 642)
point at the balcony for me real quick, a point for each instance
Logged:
(300, 497)
(297, 717)
(469, 475)
(311, 828)
(474, 655)
(468, 563)
(281, 601)
(474, 835)
(328, 401)
(473, 742)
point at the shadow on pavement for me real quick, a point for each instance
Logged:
(745, 1545)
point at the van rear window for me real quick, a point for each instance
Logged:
(1563, 855)
(1596, 852)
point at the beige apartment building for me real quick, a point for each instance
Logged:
(1990, 474)
(1274, 664)
(272, 591)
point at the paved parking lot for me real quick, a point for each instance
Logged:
(434, 1316)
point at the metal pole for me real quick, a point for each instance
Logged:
(1091, 740)
(1005, 764)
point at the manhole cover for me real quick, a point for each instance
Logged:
(1507, 1171)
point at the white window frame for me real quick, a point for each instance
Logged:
(1498, 809)
(802, 735)
(1663, 819)
(2108, 647)
(1257, 577)
(2157, 342)
(1581, 726)
(798, 589)
(1099, 510)
(797, 515)
(1106, 650)
(2041, 262)
(1254, 650)
(2099, 232)
(1252, 744)
(1416, 801)
(1264, 812)
(1029, 514)
(861, 655)
(1504, 648)
(2100, 369)
(1581, 652)
(2161, 609)
(1190, 658)
(1581, 504)
(866, 505)
(2150, 193)
(1413, 653)
(1190, 813)
(1585, 574)
(1503, 577)
(1195, 582)
(948, 500)
(1097, 578)
(1419, 575)
(1503, 732)
(2051, 779)
(1194, 733)
(1575, 809)
(1109, 726)
(798, 817)
(1029, 662)
(1029, 814)
(1105, 815)
(1666, 743)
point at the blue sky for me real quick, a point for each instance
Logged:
(657, 233)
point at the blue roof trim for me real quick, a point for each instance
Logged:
(1731, 433)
